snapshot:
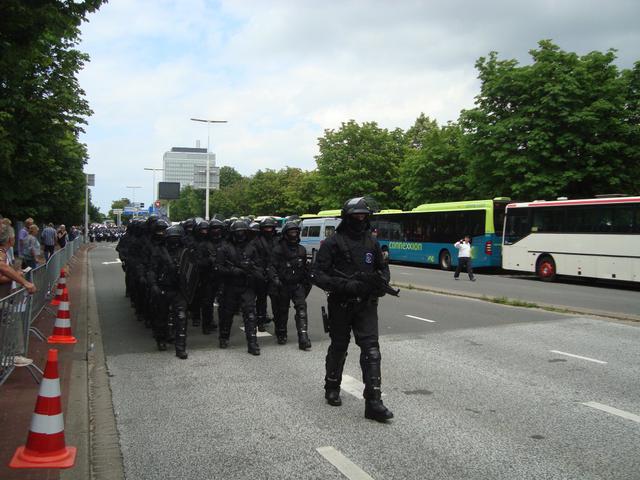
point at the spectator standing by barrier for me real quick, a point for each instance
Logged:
(49, 241)
(23, 234)
(464, 257)
(8, 274)
(62, 236)
(31, 248)
(10, 251)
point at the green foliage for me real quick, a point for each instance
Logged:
(359, 160)
(118, 204)
(190, 204)
(42, 109)
(433, 169)
(229, 176)
(564, 125)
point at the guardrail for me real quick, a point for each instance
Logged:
(19, 310)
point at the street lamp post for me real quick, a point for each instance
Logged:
(206, 195)
(154, 190)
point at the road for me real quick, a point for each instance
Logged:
(479, 390)
(619, 298)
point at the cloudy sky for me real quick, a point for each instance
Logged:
(281, 72)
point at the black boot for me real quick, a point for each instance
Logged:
(334, 364)
(250, 331)
(208, 324)
(302, 324)
(181, 335)
(261, 321)
(374, 409)
(224, 342)
(162, 345)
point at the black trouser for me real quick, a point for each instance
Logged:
(361, 317)
(261, 302)
(170, 313)
(287, 294)
(202, 305)
(48, 251)
(233, 297)
(463, 263)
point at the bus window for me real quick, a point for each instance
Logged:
(547, 220)
(622, 219)
(498, 217)
(517, 225)
(305, 232)
(314, 231)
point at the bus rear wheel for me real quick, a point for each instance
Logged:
(546, 268)
(445, 260)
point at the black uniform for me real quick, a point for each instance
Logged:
(238, 262)
(168, 302)
(291, 282)
(264, 244)
(353, 303)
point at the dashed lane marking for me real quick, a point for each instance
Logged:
(111, 263)
(614, 411)
(421, 319)
(259, 334)
(588, 359)
(343, 464)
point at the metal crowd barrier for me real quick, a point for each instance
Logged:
(19, 310)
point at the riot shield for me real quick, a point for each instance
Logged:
(189, 275)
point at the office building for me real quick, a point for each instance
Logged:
(188, 166)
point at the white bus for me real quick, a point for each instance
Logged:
(595, 238)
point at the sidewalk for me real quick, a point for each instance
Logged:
(19, 393)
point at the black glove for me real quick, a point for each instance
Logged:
(354, 288)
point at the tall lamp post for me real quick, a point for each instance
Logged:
(206, 195)
(154, 190)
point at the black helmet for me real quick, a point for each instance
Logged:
(239, 230)
(268, 222)
(174, 235)
(201, 229)
(238, 226)
(291, 232)
(188, 225)
(216, 229)
(254, 226)
(158, 228)
(356, 205)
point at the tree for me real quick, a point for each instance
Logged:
(118, 204)
(433, 169)
(560, 126)
(359, 160)
(229, 176)
(190, 204)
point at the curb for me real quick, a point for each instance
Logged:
(105, 455)
(534, 305)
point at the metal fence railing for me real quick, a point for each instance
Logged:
(19, 310)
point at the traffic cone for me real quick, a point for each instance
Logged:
(62, 327)
(62, 284)
(45, 447)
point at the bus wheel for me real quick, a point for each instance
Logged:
(546, 269)
(445, 260)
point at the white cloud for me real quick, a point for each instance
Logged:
(282, 71)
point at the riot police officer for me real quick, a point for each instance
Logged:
(290, 278)
(344, 262)
(238, 262)
(212, 276)
(170, 305)
(264, 244)
(201, 308)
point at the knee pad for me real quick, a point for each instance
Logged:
(371, 353)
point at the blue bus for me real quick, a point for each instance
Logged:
(427, 233)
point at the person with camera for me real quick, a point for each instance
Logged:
(464, 258)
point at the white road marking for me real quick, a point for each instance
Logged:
(420, 318)
(352, 386)
(613, 411)
(343, 464)
(404, 273)
(111, 263)
(259, 334)
(578, 356)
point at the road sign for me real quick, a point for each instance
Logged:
(131, 209)
(91, 179)
(117, 211)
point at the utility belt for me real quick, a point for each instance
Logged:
(346, 302)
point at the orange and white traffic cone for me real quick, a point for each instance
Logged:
(62, 284)
(62, 327)
(45, 447)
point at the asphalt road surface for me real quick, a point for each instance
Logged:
(479, 391)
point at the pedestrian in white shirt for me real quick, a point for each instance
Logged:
(464, 258)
